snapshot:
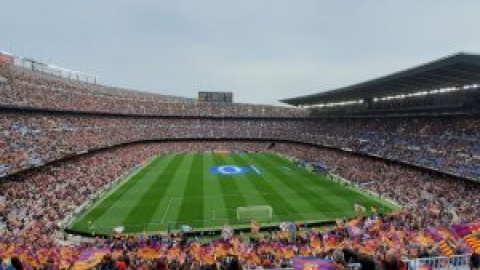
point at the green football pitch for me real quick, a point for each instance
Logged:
(205, 191)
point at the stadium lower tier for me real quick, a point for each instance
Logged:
(449, 144)
(441, 216)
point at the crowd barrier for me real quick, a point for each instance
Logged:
(459, 262)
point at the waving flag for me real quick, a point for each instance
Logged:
(311, 263)
(473, 240)
(354, 231)
(462, 229)
(89, 259)
(446, 248)
(435, 234)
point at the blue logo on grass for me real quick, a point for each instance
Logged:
(229, 170)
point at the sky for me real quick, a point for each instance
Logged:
(261, 50)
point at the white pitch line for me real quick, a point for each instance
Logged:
(255, 169)
(166, 210)
(110, 191)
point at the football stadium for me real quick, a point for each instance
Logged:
(374, 174)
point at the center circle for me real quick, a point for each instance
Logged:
(229, 169)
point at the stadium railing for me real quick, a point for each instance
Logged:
(458, 262)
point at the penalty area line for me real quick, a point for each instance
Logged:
(168, 208)
(255, 169)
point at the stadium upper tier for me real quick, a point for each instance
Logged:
(445, 144)
(21, 87)
(448, 85)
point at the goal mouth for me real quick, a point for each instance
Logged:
(263, 213)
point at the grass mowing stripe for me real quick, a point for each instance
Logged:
(192, 207)
(227, 184)
(109, 199)
(338, 191)
(279, 205)
(213, 199)
(338, 196)
(246, 188)
(167, 208)
(117, 214)
(299, 188)
(193, 195)
(145, 207)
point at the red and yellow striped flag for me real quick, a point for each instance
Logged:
(473, 240)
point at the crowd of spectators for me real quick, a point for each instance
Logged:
(448, 144)
(32, 204)
(32, 139)
(433, 197)
(444, 144)
(26, 88)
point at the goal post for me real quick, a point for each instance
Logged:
(263, 213)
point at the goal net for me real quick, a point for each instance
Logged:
(262, 213)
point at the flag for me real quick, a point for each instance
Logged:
(462, 229)
(89, 259)
(148, 253)
(330, 240)
(312, 263)
(354, 231)
(446, 248)
(473, 240)
(435, 234)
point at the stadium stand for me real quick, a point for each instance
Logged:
(33, 89)
(62, 141)
(448, 144)
(37, 200)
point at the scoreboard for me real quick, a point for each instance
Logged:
(218, 97)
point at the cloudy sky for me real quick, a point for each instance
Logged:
(262, 50)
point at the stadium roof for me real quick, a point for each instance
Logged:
(455, 70)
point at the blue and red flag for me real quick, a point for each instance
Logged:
(435, 234)
(462, 229)
(312, 263)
